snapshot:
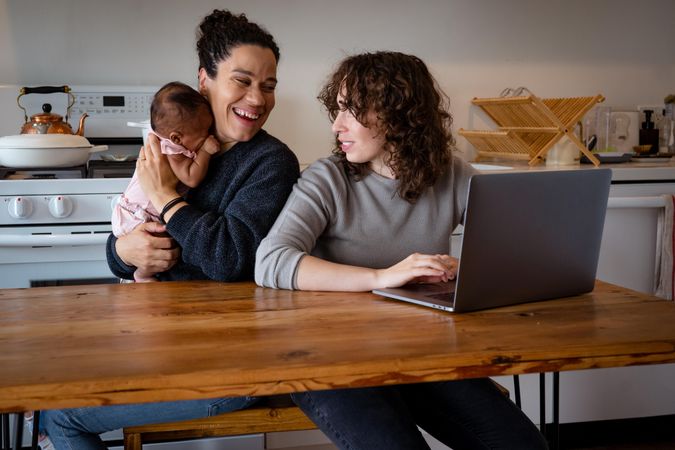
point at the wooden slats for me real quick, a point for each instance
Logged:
(528, 126)
(258, 419)
(505, 143)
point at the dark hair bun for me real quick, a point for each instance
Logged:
(221, 31)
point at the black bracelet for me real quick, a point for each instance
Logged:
(167, 207)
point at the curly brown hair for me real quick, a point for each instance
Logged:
(411, 110)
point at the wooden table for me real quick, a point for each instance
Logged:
(111, 344)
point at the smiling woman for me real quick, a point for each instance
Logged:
(214, 230)
(242, 92)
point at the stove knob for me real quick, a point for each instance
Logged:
(60, 206)
(20, 207)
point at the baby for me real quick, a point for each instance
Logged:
(181, 118)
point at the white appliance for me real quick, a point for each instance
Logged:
(54, 222)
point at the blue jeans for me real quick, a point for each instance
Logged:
(79, 428)
(464, 414)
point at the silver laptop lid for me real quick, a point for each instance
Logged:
(531, 236)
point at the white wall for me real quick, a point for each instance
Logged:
(624, 49)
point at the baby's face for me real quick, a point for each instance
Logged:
(196, 132)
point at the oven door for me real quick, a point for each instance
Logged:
(52, 256)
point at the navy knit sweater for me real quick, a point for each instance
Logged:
(228, 214)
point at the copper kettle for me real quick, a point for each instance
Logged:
(48, 122)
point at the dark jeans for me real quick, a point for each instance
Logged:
(464, 414)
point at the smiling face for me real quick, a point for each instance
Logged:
(242, 94)
(360, 144)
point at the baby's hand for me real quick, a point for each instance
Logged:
(211, 145)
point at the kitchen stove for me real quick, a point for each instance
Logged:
(54, 222)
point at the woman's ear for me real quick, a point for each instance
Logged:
(176, 137)
(203, 82)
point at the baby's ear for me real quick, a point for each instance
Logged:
(176, 137)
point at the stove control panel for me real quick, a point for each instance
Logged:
(49, 209)
(110, 108)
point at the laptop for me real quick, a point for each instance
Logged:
(528, 236)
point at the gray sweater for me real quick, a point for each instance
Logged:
(362, 223)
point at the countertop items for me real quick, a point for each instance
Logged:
(609, 157)
(628, 171)
(656, 158)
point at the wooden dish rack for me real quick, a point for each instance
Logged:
(529, 126)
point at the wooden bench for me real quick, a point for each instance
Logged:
(270, 415)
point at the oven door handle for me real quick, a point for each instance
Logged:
(636, 202)
(52, 240)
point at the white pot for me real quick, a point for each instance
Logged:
(29, 151)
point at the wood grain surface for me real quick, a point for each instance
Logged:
(110, 344)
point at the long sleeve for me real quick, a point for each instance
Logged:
(307, 212)
(116, 265)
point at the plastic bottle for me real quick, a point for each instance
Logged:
(648, 134)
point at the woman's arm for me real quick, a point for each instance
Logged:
(143, 248)
(315, 274)
(191, 171)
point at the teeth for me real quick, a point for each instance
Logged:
(248, 115)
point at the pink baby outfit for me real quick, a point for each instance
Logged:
(134, 207)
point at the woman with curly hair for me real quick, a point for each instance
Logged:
(379, 213)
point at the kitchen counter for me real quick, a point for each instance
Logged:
(628, 171)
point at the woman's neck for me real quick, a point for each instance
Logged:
(380, 168)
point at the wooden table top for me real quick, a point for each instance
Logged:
(109, 344)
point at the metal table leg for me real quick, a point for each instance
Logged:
(555, 426)
(36, 430)
(542, 403)
(19, 431)
(516, 388)
(5, 432)
(556, 410)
